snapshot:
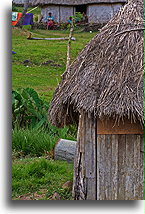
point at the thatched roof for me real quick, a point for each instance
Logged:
(21, 2)
(74, 2)
(106, 79)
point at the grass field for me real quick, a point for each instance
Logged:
(39, 65)
(39, 179)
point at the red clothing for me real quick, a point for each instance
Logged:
(50, 23)
(18, 17)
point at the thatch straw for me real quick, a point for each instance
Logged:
(73, 2)
(106, 79)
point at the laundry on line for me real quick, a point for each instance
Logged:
(28, 19)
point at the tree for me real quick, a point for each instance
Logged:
(20, 22)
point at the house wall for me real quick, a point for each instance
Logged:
(51, 9)
(60, 13)
(120, 161)
(65, 13)
(97, 13)
(102, 13)
(108, 166)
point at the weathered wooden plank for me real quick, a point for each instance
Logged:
(101, 167)
(137, 167)
(82, 180)
(98, 165)
(90, 157)
(84, 187)
(77, 164)
(114, 168)
(108, 167)
(121, 166)
(129, 168)
(141, 173)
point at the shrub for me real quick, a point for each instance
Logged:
(32, 133)
(28, 109)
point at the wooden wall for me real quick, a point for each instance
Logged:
(97, 13)
(102, 13)
(120, 167)
(60, 13)
(107, 166)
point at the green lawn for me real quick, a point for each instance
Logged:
(47, 59)
(39, 179)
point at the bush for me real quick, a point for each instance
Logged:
(28, 109)
(33, 134)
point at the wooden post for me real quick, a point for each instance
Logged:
(84, 186)
(69, 46)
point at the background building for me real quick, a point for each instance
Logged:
(98, 11)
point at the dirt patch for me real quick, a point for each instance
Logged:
(41, 195)
(51, 63)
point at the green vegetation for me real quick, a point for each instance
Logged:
(31, 142)
(37, 11)
(38, 142)
(39, 64)
(40, 179)
(33, 134)
(28, 109)
(36, 71)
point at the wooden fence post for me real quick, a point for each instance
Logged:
(84, 185)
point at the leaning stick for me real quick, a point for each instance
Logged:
(49, 39)
(32, 9)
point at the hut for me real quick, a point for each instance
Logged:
(102, 91)
(98, 11)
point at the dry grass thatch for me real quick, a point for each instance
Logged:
(106, 79)
(74, 2)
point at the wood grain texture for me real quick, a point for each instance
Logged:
(84, 187)
(114, 167)
(107, 167)
(120, 167)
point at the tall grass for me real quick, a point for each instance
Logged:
(31, 142)
(36, 142)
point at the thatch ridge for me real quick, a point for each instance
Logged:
(74, 2)
(21, 2)
(106, 79)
